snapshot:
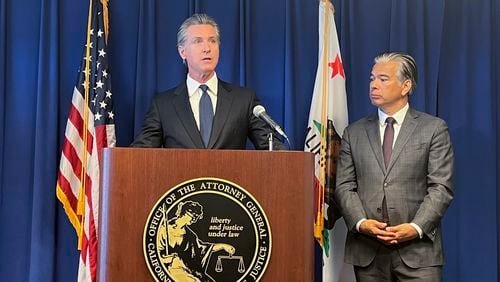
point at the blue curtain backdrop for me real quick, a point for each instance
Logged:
(270, 46)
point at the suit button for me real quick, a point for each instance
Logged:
(386, 184)
(379, 210)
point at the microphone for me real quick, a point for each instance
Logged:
(260, 112)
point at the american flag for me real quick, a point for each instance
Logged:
(90, 127)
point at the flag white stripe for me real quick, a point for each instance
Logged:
(74, 139)
(78, 101)
(84, 271)
(110, 135)
(95, 176)
(68, 173)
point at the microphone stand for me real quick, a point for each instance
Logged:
(270, 140)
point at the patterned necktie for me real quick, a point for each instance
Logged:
(206, 115)
(387, 149)
(388, 140)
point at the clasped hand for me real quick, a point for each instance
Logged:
(388, 235)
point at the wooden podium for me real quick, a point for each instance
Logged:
(133, 179)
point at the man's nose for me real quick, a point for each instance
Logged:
(206, 47)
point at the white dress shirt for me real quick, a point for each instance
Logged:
(399, 116)
(195, 93)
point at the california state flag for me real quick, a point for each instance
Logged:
(327, 120)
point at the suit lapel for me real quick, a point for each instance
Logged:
(224, 102)
(409, 124)
(185, 113)
(373, 132)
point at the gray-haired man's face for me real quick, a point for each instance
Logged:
(201, 51)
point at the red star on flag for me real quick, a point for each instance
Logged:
(337, 67)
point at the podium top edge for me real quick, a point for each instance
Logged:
(163, 150)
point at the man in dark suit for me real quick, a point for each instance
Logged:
(203, 111)
(394, 181)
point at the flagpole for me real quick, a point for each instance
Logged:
(106, 18)
(318, 231)
(83, 173)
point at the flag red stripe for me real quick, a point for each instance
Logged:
(102, 139)
(92, 239)
(93, 245)
(89, 217)
(90, 142)
(73, 158)
(76, 119)
(101, 136)
(84, 250)
(66, 188)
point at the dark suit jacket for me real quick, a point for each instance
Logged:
(170, 122)
(417, 184)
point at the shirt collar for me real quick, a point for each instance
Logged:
(194, 85)
(399, 116)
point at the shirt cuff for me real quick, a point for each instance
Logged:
(419, 230)
(359, 223)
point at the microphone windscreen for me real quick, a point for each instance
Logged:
(258, 110)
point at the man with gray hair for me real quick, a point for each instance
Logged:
(203, 111)
(394, 181)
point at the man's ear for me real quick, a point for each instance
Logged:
(406, 87)
(182, 52)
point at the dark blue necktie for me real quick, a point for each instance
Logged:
(206, 115)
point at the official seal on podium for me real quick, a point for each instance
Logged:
(207, 229)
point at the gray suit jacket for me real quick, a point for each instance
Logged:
(170, 122)
(417, 184)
